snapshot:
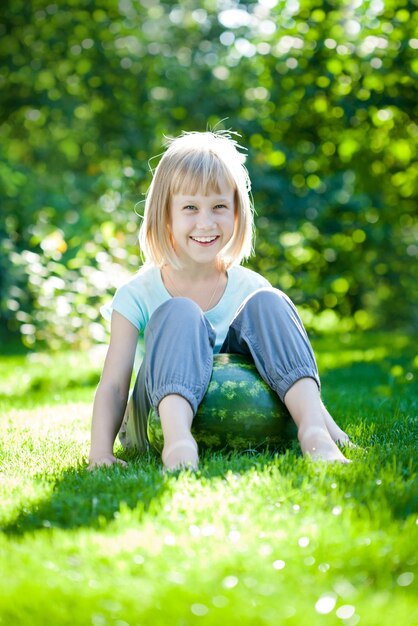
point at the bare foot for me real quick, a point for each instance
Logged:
(104, 460)
(317, 443)
(182, 454)
(337, 435)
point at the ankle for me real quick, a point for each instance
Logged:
(307, 430)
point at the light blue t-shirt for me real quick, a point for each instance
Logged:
(138, 298)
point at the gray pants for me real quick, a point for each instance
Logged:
(179, 343)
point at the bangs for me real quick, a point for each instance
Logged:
(199, 172)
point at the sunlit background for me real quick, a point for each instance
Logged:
(323, 95)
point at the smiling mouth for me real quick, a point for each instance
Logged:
(205, 240)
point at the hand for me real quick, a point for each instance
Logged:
(101, 460)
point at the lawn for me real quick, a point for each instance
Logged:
(253, 538)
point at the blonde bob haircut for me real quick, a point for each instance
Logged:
(195, 162)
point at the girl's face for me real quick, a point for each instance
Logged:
(201, 226)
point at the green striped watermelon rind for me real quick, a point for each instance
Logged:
(238, 412)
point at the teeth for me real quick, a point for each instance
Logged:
(204, 239)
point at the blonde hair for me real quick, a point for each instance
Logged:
(197, 161)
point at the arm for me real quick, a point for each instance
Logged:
(112, 392)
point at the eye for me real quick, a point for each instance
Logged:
(221, 206)
(189, 207)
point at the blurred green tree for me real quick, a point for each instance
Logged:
(323, 94)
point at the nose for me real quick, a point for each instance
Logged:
(206, 220)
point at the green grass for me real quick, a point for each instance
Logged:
(254, 539)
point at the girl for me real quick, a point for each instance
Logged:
(193, 298)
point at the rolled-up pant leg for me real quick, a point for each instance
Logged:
(179, 343)
(268, 327)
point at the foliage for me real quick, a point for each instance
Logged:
(251, 539)
(323, 94)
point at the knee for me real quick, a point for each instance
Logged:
(180, 309)
(179, 318)
(182, 306)
(269, 299)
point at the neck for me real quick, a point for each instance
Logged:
(197, 272)
(203, 287)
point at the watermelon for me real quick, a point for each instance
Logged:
(239, 411)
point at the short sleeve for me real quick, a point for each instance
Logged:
(264, 282)
(256, 280)
(127, 302)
